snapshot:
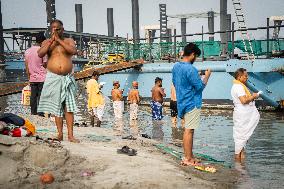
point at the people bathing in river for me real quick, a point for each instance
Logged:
(158, 93)
(117, 98)
(189, 87)
(96, 102)
(36, 71)
(133, 99)
(245, 115)
(59, 89)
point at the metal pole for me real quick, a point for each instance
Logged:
(223, 26)
(233, 40)
(127, 48)
(211, 25)
(135, 21)
(229, 24)
(116, 48)
(163, 22)
(79, 18)
(267, 38)
(80, 42)
(183, 29)
(25, 42)
(135, 28)
(110, 25)
(1, 37)
(50, 12)
(13, 42)
(202, 45)
(175, 45)
(150, 45)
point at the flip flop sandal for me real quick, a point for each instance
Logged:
(84, 124)
(39, 139)
(146, 136)
(76, 125)
(126, 150)
(130, 137)
(132, 152)
(53, 142)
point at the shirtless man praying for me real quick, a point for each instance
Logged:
(59, 89)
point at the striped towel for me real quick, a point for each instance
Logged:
(58, 91)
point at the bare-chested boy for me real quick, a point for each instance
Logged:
(157, 99)
(59, 89)
(173, 107)
(134, 99)
(117, 98)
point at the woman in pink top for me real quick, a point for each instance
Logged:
(35, 68)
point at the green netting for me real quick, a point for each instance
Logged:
(159, 51)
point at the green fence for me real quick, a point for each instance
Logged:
(159, 51)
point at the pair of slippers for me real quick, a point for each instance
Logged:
(82, 124)
(53, 142)
(127, 151)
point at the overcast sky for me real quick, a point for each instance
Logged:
(31, 13)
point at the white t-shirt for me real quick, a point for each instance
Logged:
(236, 92)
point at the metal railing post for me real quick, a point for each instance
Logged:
(267, 38)
(233, 40)
(175, 45)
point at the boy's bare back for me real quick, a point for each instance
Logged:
(133, 96)
(158, 94)
(116, 95)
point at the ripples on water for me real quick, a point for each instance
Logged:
(263, 167)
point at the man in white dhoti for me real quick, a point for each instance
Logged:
(117, 98)
(245, 116)
(133, 99)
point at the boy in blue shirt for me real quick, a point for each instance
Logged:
(189, 87)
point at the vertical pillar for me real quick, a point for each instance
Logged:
(175, 45)
(150, 45)
(169, 35)
(153, 34)
(233, 41)
(79, 18)
(110, 25)
(202, 43)
(183, 29)
(163, 22)
(135, 21)
(229, 24)
(267, 38)
(1, 37)
(50, 11)
(211, 25)
(135, 28)
(223, 26)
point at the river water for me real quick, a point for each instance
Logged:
(263, 168)
(264, 165)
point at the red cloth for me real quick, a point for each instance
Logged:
(16, 132)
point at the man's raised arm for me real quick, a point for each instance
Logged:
(44, 48)
(162, 92)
